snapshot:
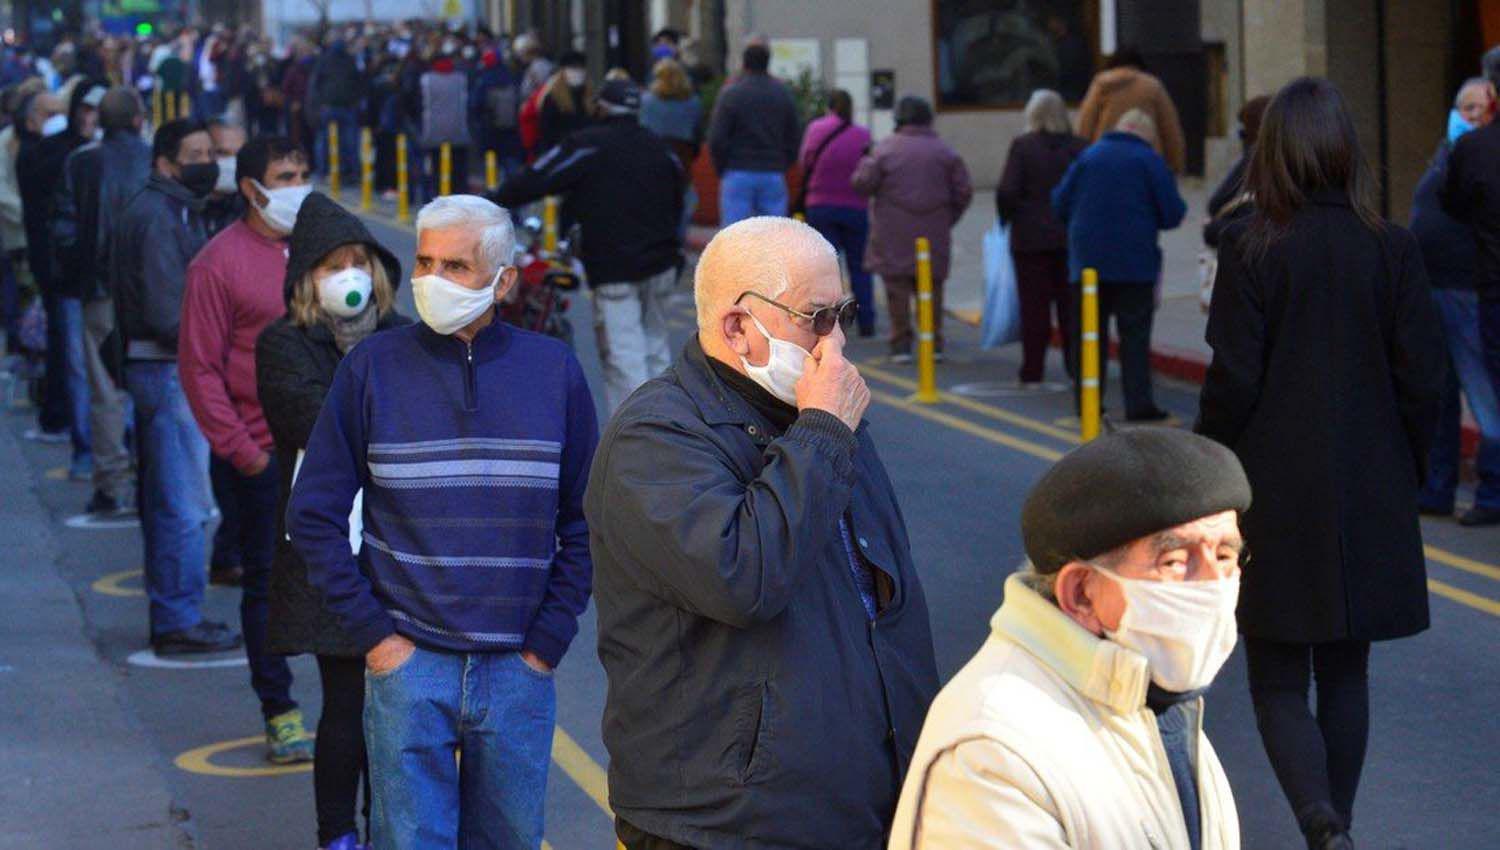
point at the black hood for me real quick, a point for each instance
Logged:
(323, 225)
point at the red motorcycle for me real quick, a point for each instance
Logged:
(537, 303)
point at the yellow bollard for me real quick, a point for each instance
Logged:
(366, 169)
(491, 171)
(186, 108)
(171, 103)
(1089, 358)
(445, 169)
(926, 340)
(156, 112)
(403, 199)
(333, 160)
(802, 217)
(549, 224)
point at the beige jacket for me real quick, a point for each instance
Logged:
(1119, 90)
(12, 227)
(1043, 741)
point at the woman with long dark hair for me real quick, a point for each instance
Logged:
(1325, 381)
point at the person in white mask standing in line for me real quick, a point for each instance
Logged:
(761, 620)
(1079, 723)
(233, 291)
(471, 441)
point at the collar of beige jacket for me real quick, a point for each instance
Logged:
(1100, 669)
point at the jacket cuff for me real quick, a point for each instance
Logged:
(547, 646)
(373, 631)
(822, 430)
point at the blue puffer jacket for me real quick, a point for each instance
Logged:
(1114, 199)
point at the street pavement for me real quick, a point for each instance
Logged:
(103, 752)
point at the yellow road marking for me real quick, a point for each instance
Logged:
(966, 426)
(1469, 565)
(197, 760)
(581, 768)
(109, 585)
(1464, 597)
(989, 410)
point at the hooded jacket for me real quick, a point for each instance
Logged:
(1044, 741)
(1117, 91)
(294, 367)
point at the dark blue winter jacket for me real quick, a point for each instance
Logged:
(1114, 199)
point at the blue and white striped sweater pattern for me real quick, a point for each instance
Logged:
(465, 462)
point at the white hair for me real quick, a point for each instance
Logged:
(497, 236)
(1046, 112)
(1139, 122)
(1472, 83)
(752, 255)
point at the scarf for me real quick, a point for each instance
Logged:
(348, 332)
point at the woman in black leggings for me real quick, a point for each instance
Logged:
(1325, 381)
(340, 287)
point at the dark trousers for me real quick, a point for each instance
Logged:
(1489, 336)
(1042, 282)
(849, 229)
(55, 414)
(226, 547)
(341, 769)
(1133, 307)
(635, 839)
(458, 176)
(1317, 757)
(254, 500)
(901, 299)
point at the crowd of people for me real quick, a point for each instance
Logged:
(221, 337)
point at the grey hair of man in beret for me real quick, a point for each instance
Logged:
(1150, 504)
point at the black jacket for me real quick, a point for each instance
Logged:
(755, 126)
(338, 81)
(622, 183)
(294, 367)
(1220, 211)
(1448, 247)
(1471, 194)
(156, 237)
(751, 702)
(98, 181)
(39, 169)
(1035, 165)
(1326, 381)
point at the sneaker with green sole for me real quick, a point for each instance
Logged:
(286, 741)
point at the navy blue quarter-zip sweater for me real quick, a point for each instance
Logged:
(473, 460)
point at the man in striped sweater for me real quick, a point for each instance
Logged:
(471, 441)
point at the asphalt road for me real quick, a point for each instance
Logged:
(961, 469)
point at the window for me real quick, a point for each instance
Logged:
(992, 54)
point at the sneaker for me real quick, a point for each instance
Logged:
(1475, 517)
(347, 841)
(203, 638)
(102, 504)
(287, 743)
(37, 435)
(226, 576)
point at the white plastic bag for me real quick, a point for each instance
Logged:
(1001, 322)
(356, 511)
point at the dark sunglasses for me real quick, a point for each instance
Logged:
(823, 319)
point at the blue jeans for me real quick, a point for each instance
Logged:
(78, 381)
(348, 124)
(1459, 311)
(743, 194)
(494, 708)
(172, 459)
(849, 229)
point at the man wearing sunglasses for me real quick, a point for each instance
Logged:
(761, 621)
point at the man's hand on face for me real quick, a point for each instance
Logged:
(831, 384)
(389, 654)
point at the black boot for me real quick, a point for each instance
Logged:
(1323, 828)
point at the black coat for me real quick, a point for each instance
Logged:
(1471, 194)
(1326, 380)
(1035, 165)
(294, 368)
(751, 702)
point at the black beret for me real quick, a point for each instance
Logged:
(1125, 486)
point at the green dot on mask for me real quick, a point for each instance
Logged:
(353, 299)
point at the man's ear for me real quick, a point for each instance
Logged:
(508, 277)
(1073, 585)
(256, 198)
(732, 326)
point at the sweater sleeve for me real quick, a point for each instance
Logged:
(317, 519)
(567, 596)
(1012, 185)
(203, 365)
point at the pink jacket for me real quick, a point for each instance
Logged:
(234, 289)
(829, 184)
(918, 186)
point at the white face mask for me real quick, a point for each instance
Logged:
(345, 293)
(282, 204)
(446, 306)
(783, 367)
(574, 76)
(1186, 629)
(54, 125)
(225, 184)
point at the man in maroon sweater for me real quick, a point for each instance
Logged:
(234, 290)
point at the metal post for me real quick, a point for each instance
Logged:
(1088, 358)
(403, 197)
(186, 109)
(366, 168)
(156, 109)
(549, 224)
(491, 171)
(926, 341)
(171, 103)
(333, 159)
(445, 169)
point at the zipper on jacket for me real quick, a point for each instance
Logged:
(471, 390)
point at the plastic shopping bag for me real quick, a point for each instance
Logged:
(1001, 322)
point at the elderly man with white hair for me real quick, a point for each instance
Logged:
(761, 621)
(471, 441)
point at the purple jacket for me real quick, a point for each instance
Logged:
(829, 184)
(918, 186)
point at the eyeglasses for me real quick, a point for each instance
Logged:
(822, 319)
